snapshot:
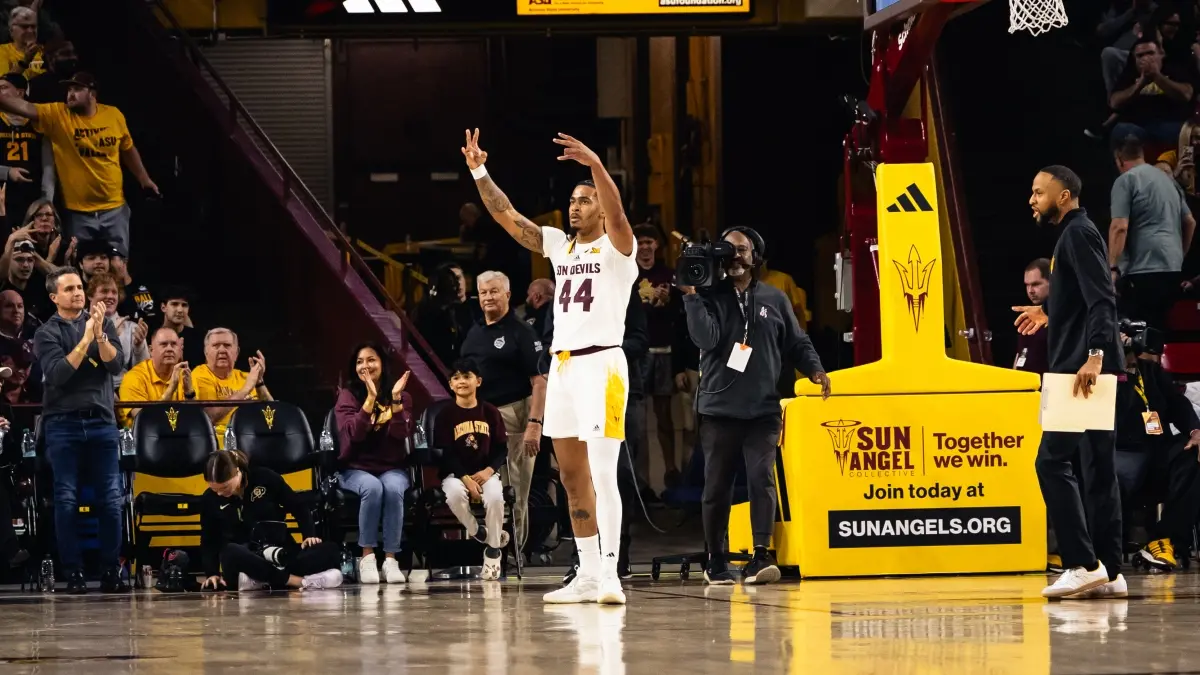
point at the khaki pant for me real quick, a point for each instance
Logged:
(519, 472)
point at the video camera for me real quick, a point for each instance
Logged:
(700, 263)
(1143, 339)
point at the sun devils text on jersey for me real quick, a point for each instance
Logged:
(592, 283)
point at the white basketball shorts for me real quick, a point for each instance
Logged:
(586, 395)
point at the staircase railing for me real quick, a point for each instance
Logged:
(292, 187)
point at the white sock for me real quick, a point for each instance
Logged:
(603, 455)
(589, 556)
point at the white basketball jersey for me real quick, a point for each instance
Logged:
(592, 283)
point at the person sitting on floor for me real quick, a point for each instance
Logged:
(473, 442)
(374, 421)
(258, 497)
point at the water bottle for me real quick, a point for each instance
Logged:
(348, 567)
(126, 442)
(230, 439)
(326, 443)
(28, 447)
(419, 436)
(46, 580)
(146, 575)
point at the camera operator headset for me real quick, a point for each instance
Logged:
(744, 329)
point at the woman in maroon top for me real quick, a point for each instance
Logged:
(374, 421)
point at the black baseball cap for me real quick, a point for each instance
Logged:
(85, 80)
(96, 247)
(17, 80)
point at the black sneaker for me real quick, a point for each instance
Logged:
(76, 584)
(716, 573)
(760, 570)
(112, 582)
(570, 575)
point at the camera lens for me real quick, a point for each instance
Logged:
(696, 272)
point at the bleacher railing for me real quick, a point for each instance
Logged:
(292, 187)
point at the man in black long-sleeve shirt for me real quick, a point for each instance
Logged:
(79, 352)
(743, 329)
(1083, 339)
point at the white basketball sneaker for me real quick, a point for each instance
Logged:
(581, 589)
(1076, 580)
(368, 571)
(391, 572)
(610, 591)
(331, 578)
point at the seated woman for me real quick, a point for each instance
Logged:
(474, 447)
(258, 496)
(374, 421)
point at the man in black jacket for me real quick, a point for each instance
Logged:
(744, 329)
(79, 352)
(1150, 456)
(1083, 339)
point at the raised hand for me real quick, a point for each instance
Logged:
(398, 388)
(1030, 319)
(98, 311)
(574, 149)
(262, 362)
(139, 332)
(475, 156)
(372, 390)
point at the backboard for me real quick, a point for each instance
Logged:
(881, 13)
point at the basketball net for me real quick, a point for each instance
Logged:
(1036, 16)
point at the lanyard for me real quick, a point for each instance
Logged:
(1140, 388)
(743, 303)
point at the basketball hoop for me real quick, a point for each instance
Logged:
(1036, 16)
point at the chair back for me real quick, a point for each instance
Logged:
(275, 435)
(331, 426)
(173, 441)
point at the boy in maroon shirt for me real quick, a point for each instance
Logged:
(471, 436)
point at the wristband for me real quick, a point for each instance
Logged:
(534, 420)
(478, 172)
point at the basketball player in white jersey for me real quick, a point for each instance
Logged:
(587, 390)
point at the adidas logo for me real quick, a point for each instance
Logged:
(611, 555)
(389, 6)
(917, 203)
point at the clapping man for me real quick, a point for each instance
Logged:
(79, 352)
(162, 377)
(218, 380)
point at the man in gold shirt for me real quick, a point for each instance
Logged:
(218, 380)
(23, 55)
(90, 141)
(162, 377)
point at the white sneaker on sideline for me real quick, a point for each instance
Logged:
(1076, 580)
(245, 583)
(491, 566)
(331, 578)
(1117, 588)
(610, 591)
(581, 589)
(391, 572)
(368, 571)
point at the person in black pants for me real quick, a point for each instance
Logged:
(241, 505)
(744, 330)
(1083, 340)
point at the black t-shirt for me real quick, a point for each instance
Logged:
(1082, 309)
(470, 439)
(139, 303)
(1152, 104)
(507, 354)
(36, 298)
(193, 346)
(266, 497)
(660, 314)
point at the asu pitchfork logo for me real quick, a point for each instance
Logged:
(841, 432)
(914, 283)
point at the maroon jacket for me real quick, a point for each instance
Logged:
(365, 448)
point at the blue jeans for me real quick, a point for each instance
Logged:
(1158, 132)
(81, 451)
(385, 493)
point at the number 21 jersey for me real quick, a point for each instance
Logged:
(591, 290)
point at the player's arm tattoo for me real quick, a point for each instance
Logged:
(581, 514)
(525, 231)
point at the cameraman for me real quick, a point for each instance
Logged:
(744, 330)
(1150, 455)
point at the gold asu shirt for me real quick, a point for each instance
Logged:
(87, 154)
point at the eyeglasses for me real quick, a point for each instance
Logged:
(26, 26)
(45, 215)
